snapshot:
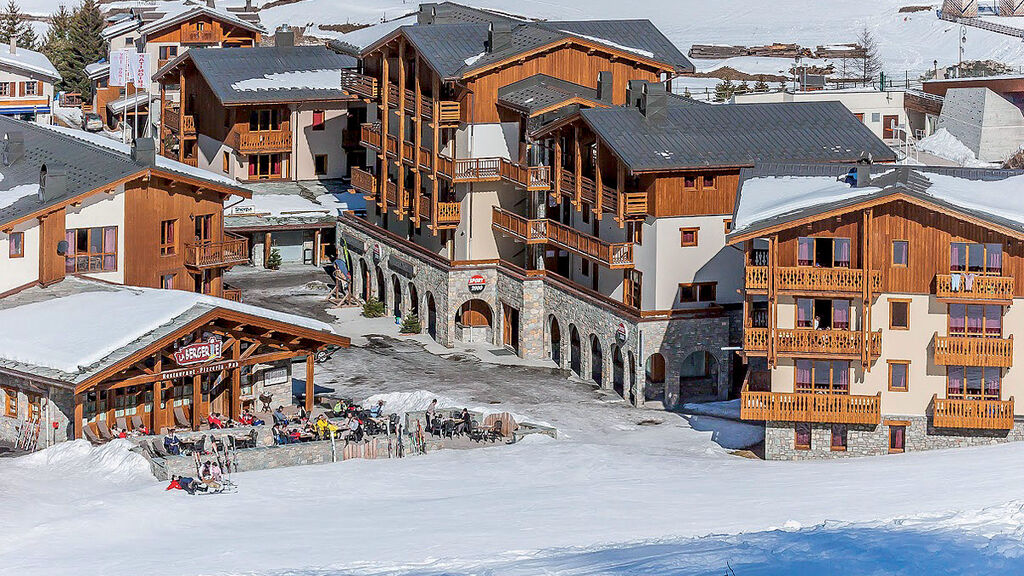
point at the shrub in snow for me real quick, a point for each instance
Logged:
(373, 308)
(411, 325)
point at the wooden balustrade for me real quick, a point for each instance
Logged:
(477, 170)
(519, 226)
(190, 161)
(263, 142)
(977, 414)
(449, 213)
(392, 193)
(369, 135)
(188, 125)
(974, 351)
(233, 250)
(232, 293)
(810, 279)
(987, 288)
(363, 181)
(810, 407)
(756, 277)
(359, 84)
(449, 112)
(196, 36)
(538, 178)
(612, 255)
(172, 119)
(635, 204)
(803, 342)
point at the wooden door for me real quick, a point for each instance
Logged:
(510, 327)
(889, 124)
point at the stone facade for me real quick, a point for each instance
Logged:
(868, 440)
(596, 340)
(56, 406)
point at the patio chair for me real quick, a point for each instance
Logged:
(105, 434)
(137, 422)
(122, 423)
(180, 420)
(91, 436)
(200, 445)
(158, 447)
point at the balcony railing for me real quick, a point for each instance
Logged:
(448, 213)
(172, 119)
(195, 36)
(359, 84)
(811, 279)
(808, 407)
(813, 342)
(188, 125)
(263, 142)
(363, 181)
(974, 351)
(977, 414)
(192, 161)
(232, 251)
(973, 287)
(612, 255)
(232, 293)
(391, 191)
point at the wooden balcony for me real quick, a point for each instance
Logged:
(973, 351)
(808, 407)
(982, 288)
(392, 193)
(449, 213)
(973, 414)
(633, 204)
(192, 161)
(233, 250)
(263, 142)
(364, 181)
(196, 36)
(188, 125)
(611, 255)
(449, 112)
(811, 280)
(232, 293)
(805, 342)
(360, 85)
(494, 169)
(172, 119)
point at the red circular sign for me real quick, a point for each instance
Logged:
(476, 283)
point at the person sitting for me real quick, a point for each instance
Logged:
(214, 421)
(378, 410)
(172, 444)
(142, 430)
(279, 435)
(215, 472)
(465, 422)
(190, 485)
(294, 436)
(279, 418)
(174, 485)
(208, 479)
(352, 430)
(339, 408)
(245, 419)
(301, 416)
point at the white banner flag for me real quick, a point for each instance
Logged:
(141, 71)
(130, 66)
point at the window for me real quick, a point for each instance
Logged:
(263, 120)
(91, 250)
(897, 438)
(975, 320)
(976, 258)
(822, 376)
(900, 254)
(689, 182)
(585, 212)
(168, 237)
(10, 402)
(264, 166)
(728, 225)
(688, 236)
(320, 164)
(973, 382)
(899, 374)
(698, 292)
(802, 436)
(16, 243)
(635, 232)
(5, 89)
(318, 120)
(899, 314)
(839, 437)
(168, 52)
(31, 88)
(860, 116)
(204, 228)
(35, 403)
(708, 182)
(167, 281)
(822, 314)
(823, 252)
(876, 117)
(226, 162)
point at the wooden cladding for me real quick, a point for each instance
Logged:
(612, 255)
(810, 279)
(975, 414)
(838, 343)
(809, 407)
(979, 287)
(968, 351)
(230, 252)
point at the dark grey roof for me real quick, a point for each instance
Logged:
(695, 136)
(630, 35)
(886, 180)
(223, 67)
(541, 91)
(88, 166)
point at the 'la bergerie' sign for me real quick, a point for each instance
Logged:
(199, 352)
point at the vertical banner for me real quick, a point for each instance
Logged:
(121, 69)
(141, 72)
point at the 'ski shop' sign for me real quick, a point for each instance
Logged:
(199, 352)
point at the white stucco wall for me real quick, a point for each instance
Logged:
(309, 142)
(488, 141)
(874, 105)
(15, 272)
(102, 210)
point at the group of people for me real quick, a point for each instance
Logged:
(463, 424)
(126, 433)
(211, 480)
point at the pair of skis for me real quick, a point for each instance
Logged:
(28, 435)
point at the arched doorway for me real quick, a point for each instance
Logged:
(414, 300)
(654, 370)
(396, 305)
(431, 316)
(382, 287)
(364, 274)
(555, 336)
(618, 371)
(474, 321)
(631, 379)
(575, 355)
(596, 360)
(698, 376)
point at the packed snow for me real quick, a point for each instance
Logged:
(9, 197)
(945, 145)
(308, 79)
(640, 51)
(765, 198)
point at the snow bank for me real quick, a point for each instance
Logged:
(308, 79)
(945, 145)
(111, 461)
(727, 409)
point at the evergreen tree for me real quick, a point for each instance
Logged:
(13, 24)
(57, 45)
(724, 90)
(871, 63)
(743, 88)
(686, 93)
(87, 46)
(761, 86)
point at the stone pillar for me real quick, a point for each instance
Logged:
(532, 320)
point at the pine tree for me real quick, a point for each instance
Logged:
(13, 24)
(686, 93)
(57, 45)
(87, 45)
(761, 86)
(871, 63)
(743, 88)
(724, 90)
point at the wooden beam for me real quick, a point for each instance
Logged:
(78, 416)
(597, 179)
(197, 399)
(577, 166)
(236, 383)
(417, 142)
(158, 411)
(382, 201)
(557, 175)
(150, 378)
(620, 191)
(402, 192)
(309, 381)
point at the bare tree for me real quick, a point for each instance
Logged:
(871, 64)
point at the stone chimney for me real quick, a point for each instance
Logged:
(53, 182)
(499, 36)
(605, 84)
(211, 4)
(284, 36)
(14, 148)
(654, 101)
(426, 14)
(144, 151)
(634, 89)
(14, 45)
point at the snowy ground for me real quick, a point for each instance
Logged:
(622, 491)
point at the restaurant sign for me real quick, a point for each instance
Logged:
(209, 368)
(199, 352)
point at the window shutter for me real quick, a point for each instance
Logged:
(39, 88)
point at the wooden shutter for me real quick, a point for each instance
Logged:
(39, 88)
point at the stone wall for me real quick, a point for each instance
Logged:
(868, 440)
(58, 408)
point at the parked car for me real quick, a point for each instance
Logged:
(92, 122)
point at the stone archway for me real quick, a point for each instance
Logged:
(382, 288)
(555, 341)
(698, 376)
(596, 360)
(618, 371)
(396, 305)
(654, 371)
(575, 351)
(414, 300)
(364, 274)
(431, 316)
(475, 322)
(631, 379)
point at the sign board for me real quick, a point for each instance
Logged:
(172, 374)
(130, 67)
(378, 252)
(402, 267)
(199, 352)
(354, 244)
(243, 210)
(476, 283)
(621, 332)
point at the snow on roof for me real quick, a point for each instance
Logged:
(98, 139)
(119, 105)
(73, 332)
(29, 61)
(97, 68)
(175, 12)
(120, 27)
(364, 37)
(8, 197)
(765, 198)
(999, 198)
(339, 202)
(640, 51)
(309, 79)
(277, 205)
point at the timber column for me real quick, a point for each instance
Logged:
(310, 358)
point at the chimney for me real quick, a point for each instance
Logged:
(654, 101)
(499, 36)
(426, 14)
(14, 147)
(284, 36)
(864, 170)
(248, 5)
(144, 151)
(605, 83)
(211, 4)
(633, 90)
(53, 182)
(14, 44)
